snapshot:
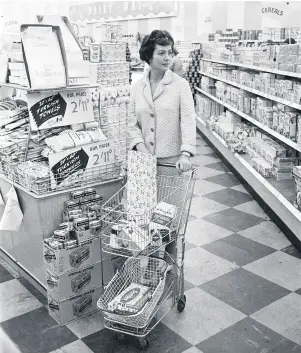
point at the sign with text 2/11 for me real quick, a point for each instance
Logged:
(48, 110)
(80, 162)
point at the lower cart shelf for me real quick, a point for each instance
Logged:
(278, 195)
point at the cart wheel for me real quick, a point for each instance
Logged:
(143, 343)
(182, 303)
(120, 337)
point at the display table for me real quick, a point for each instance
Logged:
(42, 215)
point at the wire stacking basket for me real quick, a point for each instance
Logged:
(146, 271)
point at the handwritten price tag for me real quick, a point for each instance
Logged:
(64, 108)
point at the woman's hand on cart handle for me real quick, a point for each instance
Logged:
(183, 164)
(140, 147)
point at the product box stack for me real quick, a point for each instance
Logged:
(16, 66)
(72, 258)
(206, 107)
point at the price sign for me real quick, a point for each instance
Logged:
(48, 110)
(80, 160)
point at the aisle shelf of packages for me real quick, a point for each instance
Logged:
(278, 195)
(256, 68)
(254, 121)
(254, 91)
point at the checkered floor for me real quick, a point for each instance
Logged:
(243, 286)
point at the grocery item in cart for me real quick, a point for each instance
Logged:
(135, 239)
(131, 300)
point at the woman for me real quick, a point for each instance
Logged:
(161, 110)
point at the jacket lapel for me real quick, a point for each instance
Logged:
(166, 80)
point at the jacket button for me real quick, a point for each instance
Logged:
(152, 130)
(152, 143)
(152, 115)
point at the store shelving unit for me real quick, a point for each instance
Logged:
(255, 91)
(276, 194)
(256, 68)
(253, 121)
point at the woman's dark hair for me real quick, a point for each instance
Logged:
(290, 41)
(149, 43)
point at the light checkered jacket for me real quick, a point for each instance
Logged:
(166, 122)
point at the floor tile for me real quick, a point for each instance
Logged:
(244, 291)
(161, 339)
(193, 350)
(200, 232)
(229, 197)
(203, 187)
(291, 250)
(283, 316)
(298, 291)
(5, 275)
(15, 273)
(87, 325)
(201, 150)
(202, 266)
(191, 217)
(74, 347)
(253, 208)
(213, 155)
(248, 336)
(233, 220)
(6, 344)
(240, 187)
(201, 207)
(188, 286)
(203, 160)
(15, 300)
(200, 142)
(238, 249)
(280, 268)
(203, 317)
(189, 246)
(225, 179)
(33, 291)
(204, 172)
(267, 233)
(37, 332)
(218, 166)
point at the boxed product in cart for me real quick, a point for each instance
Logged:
(60, 260)
(73, 308)
(72, 283)
(135, 239)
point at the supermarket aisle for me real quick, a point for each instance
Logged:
(243, 286)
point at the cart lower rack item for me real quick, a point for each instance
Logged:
(139, 238)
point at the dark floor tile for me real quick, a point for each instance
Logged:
(187, 286)
(37, 332)
(229, 197)
(218, 166)
(298, 291)
(189, 246)
(33, 290)
(5, 275)
(244, 290)
(248, 336)
(291, 250)
(238, 249)
(213, 155)
(224, 179)
(161, 339)
(233, 220)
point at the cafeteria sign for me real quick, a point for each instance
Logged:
(123, 10)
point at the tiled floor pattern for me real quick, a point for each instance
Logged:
(242, 280)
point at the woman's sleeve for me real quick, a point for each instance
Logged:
(134, 130)
(188, 122)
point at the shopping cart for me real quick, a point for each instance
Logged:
(143, 249)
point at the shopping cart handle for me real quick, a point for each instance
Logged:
(173, 165)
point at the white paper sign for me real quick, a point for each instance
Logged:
(12, 216)
(48, 110)
(78, 161)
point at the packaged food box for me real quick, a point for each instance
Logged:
(75, 307)
(135, 238)
(72, 283)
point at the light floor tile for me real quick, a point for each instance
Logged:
(280, 268)
(201, 150)
(203, 160)
(200, 232)
(16, 300)
(204, 172)
(203, 187)
(240, 187)
(192, 350)
(74, 347)
(268, 234)
(202, 266)
(202, 207)
(283, 316)
(253, 208)
(87, 325)
(203, 317)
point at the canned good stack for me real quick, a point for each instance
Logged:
(192, 73)
(72, 258)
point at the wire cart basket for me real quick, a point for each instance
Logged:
(142, 243)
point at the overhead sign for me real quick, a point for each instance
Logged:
(48, 110)
(80, 160)
(119, 10)
(272, 10)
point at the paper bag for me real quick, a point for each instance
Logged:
(12, 216)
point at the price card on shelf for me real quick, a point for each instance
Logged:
(48, 110)
(80, 162)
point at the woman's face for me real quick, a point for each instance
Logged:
(161, 57)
